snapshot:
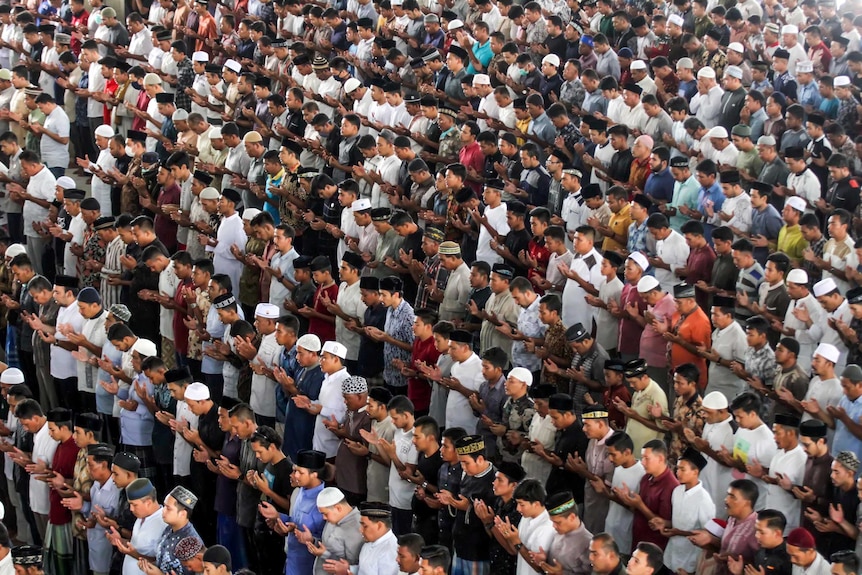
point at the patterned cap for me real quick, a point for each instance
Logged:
(849, 460)
(187, 548)
(184, 497)
(121, 312)
(27, 555)
(354, 385)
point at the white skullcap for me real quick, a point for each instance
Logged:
(197, 392)
(267, 311)
(180, 115)
(824, 287)
(736, 47)
(638, 65)
(798, 276)
(233, 65)
(797, 203)
(145, 347)
(685, 63)
(361, 205)
(250, 213)
(733, 72)
(215, 133)
(717, 132)
(105, 131)
(828, 352)
(12, 376)
(15, 250)
(210, 194)
(522, 374)
(766, 141)
(715, 400)
(329, 496)
(309, 342)
(349, 86)
(335, 348)
(152, 79)
(805, 66)
(706, 73)
(790, 29)
(455, 24)
(640, 259)
(200, 57)
(552, 59)
(675, 19)
(482, 80)
(647, 284)
(66, 182)
(840, 81)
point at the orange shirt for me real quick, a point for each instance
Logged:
(696, 330)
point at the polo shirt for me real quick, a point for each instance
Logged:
(656, 493)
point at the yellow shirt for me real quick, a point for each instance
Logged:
(791, 242)
(619, 224)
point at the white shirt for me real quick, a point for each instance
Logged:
(759, 444)
(458, 410)
(389, 168)
(77, 227)
(673, 250)
(730, 344)
(716, 477)
(820, 566)
(807, 343)
(534, 533)
(96, 109)
(692, 509)
(182, 448)
(63, 365)
(401, 490)
(94, 330)
(101, 190)
(43, 450)
(278, 292)
(791, 464)
(168, 284)
(145, 539)
(806, 185)
(230, 233)
(153, 111)
(263, 387)
(707, 107)
(379, 557)
(739, 207)
(332, 404)
(497, 220)
(141, 44)
(350, 300)
(43, 186)
(620, 519)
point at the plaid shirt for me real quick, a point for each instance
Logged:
(815, 273)
(185, 79)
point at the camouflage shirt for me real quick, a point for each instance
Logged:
(517, 416)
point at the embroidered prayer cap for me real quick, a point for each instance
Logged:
(740, 130)
(448, 112)
(841, 81)
(252, 137)
(435, 234)
(561, 503)
(801, 537)
(813, 428)
(187, 548)
(849, 460)
(635, 368)
(733, 72)
(128, 461)
(120, 311)
(551, 59)
(309, 342)
(805, 67)
(595, 411)
(694, 457)
(89, 422)
(311, 460)
(706, 73)
(249, 214)
(715, 400)
(59, 415)
(180, 115)
(15, 250)
(335, 348)
(828, 352)
(381, 214)
(233, 65)
(184, 497)
(683, 290)
(449, 249)
(375, 510)
(354, 385)
(145, 347)
(197, 391)
(799, 205)
(320, 63)
(200, 57)
(561, 402)
(513, 471)
(852, 372)
(32, 91)
(11, 376)
(218, 555)
(27, 555)
(470, 445)
(179, 374)
(267, 311)
(163, 35)
(223, 301)
(139, 488)
(503, 270)
(522, 374)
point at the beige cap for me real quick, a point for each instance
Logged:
(252, 137)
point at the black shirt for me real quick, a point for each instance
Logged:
(774, 561)
(429, 467)
(470, 540)
(569, 441)
(621, 165)
(412, 243)
(501, 561)
(516, 242)
(370, 351)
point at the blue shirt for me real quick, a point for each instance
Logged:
(637, 237)
(136, 427)
(809, 94)
(659, 185)
(273, 182)
(715, 195)
(484, 54)
(298, 423)
(543, 129)
(291, 368)
(844, 440)
(829, 108)
(306, 513)
(104, 400)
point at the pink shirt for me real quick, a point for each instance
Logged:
(653, 345)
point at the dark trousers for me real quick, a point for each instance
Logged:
(251, 549)
(265, 420)
(28, 366)
(111, 429)
(16, 227)
(402, 521)
(215, 381)
(58, 171)
(272, 561)
(194, 366)
(67, 392)
(24, 494)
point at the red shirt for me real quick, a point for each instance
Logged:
(616, 417)
(542, 255)
(630, 330)
(140, 124)
(78, 20)
(166, 228)
(323, 329)
(472, 157)
(418, 389)
(64, 464)
(181, 332)
(656, 493)
(208, 30)
(111, 88)
(699, 267)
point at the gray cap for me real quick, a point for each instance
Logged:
(733, 72)
(766, 141)
(852, 372)
(686, 63)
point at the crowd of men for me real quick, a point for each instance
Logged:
(468, 287)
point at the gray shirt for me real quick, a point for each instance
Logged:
(342, 540)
